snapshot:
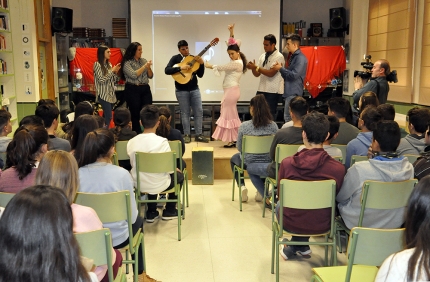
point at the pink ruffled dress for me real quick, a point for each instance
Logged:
(229, 122)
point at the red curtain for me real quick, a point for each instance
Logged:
(324, 63)
(84, 61)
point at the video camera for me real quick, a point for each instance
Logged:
(367, 73)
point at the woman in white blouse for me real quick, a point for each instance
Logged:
(105, 77)
(229, 122)
(412, 264)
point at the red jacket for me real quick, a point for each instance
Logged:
(314, 164)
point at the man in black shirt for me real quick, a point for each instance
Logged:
(188, 94)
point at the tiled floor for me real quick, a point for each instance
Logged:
(220, 243)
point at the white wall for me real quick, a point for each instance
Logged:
(310, 11)
(95, 13)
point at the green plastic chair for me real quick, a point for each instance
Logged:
(282, 151)
(176, 146)
(5, 198)
(121, 150)
(411, 158)
(357, 158)
(250, 145)
(92, 245)
(368, 249)
(343, 149)
(338, 158)
(379, 195)
(114, 159)
(318, 195)
(158, 163)
(112, 207)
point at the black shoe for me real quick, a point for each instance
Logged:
(230, 145)
(169, 214)
(201, 138)
(151, 216)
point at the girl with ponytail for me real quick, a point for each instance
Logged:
(97, 174)
(229, 122)
(24, 152)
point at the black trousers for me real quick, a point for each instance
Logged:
(135, 226)
(137, 96)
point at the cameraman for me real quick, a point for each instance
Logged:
(377, 83)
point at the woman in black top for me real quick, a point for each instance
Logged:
(122, 131)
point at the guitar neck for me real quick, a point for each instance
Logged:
(201, 53)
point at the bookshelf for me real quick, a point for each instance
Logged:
(7, 72)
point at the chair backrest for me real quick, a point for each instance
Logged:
(283, 151)
(411, 158)
(5, 198)
(92, 245)
(370, 246)
(343, 149)
(357, 158)
(385, 195)
(318, 194)
(114, 159)
(256, 145)
(338, 158)
(121, 150)
(110, 207)
(176, 146)
(155, 163)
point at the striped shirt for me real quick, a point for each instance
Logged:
(105, 84)
(130, 68)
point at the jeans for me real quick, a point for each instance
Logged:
(287, 116)
(272, 99)
(186, 100)
(236, 160)
(107, 111)
(137, 96)
(255, 172)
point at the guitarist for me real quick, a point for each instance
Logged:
(188, 94)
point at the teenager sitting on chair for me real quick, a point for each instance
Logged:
(149, 142)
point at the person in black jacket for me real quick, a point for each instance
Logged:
(188, 94)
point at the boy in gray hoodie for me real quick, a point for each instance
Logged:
(386, 165)
(414, 143)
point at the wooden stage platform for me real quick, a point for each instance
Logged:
(222, 168)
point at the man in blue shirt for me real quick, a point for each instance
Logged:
(294, 74)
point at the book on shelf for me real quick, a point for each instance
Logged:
(3, 23)
(3, 67)
(4, 4)
(2, 42)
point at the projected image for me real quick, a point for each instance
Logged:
(198, 28)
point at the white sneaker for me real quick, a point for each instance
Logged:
(244, 193)
(258, 197)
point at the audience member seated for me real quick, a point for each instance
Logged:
(97, 174)
(261, 124)
(49, 114)
(341, 108)
(368, 98)
(24, 152)
(101, 121)
(5, 129)
(389, 113)
(290, 135)
(37, 241)
(312, 163)
(422, 164)
(171, 134)
(81, 126)
(412, 263)
(333, 132)
(367, 123)
(153, 183)
(83, 108)
(413, 143)
(122, 130)
(59, 169)
(386, 165)
(31, 119)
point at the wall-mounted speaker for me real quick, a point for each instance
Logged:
(62, 19)
(338, 18)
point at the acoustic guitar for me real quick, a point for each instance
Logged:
(184, 76)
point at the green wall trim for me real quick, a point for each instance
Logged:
(25, 109)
